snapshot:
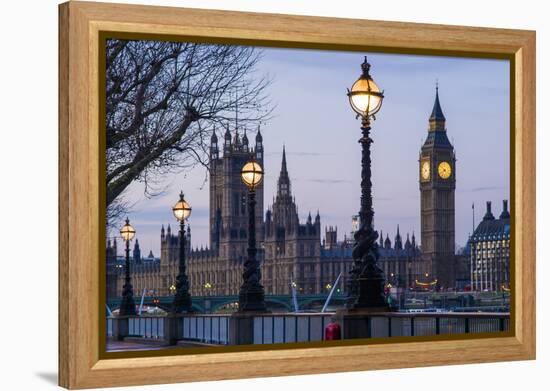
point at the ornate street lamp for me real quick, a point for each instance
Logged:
(366, 283)
(251, 294)
(365, 96)
(127, 306)
(182, 298)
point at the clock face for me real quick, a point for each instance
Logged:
(444, 170)
(425, 170)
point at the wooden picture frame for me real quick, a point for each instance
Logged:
(80, 240)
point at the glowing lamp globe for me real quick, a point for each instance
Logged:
(365, 96)
(181, 210)
(127, 231)
(252, 174)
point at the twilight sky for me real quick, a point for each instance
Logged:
(315, 122)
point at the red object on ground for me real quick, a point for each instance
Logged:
(332, 332)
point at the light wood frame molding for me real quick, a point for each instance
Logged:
(80, 365)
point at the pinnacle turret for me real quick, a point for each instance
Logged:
(259, 137)
(398, 243)
(408, 244)
(259, 148)
(283, 163)
(488, 213)
(505, 214)
(437, 119)
(283, 184)
(387, 242)
(214, 152)
(236, 141)
(245, 141)
(227, 140)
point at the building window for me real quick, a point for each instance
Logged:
(243, 204)
(236, 202)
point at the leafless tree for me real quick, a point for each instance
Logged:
(163, 100)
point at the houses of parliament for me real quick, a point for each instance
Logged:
(296, 253)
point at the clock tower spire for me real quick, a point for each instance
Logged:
(437, 200)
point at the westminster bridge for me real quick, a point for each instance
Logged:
(449, 301)
(213, 304)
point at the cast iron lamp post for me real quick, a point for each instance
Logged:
(127, 306)
(251, 294)
(366, 286)
(182, 298)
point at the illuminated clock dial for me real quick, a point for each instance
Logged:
(444, 170)
(425, 170)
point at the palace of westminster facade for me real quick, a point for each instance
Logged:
(293, 253)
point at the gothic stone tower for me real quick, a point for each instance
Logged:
(437, 197)
(228, 195)
(292, 249)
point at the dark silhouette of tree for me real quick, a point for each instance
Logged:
(163, 100)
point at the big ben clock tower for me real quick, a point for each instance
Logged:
(437, 173)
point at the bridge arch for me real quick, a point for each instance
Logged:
(215, 303)
(308, 303)
(283, 303)
(164, 304)
(218, 304)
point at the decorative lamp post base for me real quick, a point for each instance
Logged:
(357, 323)
(252, 299)
(128, 305)
(182, 303)
(370, 290)
(356, 320)
(128, 308)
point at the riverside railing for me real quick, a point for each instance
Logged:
(403, 324)
(151, 327)
(310, 327)
(212, 328)
(288, 328)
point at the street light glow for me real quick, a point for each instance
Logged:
(365, 96)
(181, 210)
(252, 174)
(127, 231)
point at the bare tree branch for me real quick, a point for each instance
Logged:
(163, 101)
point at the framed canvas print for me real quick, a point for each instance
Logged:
(297, 194)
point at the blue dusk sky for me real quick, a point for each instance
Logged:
(314, 120)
